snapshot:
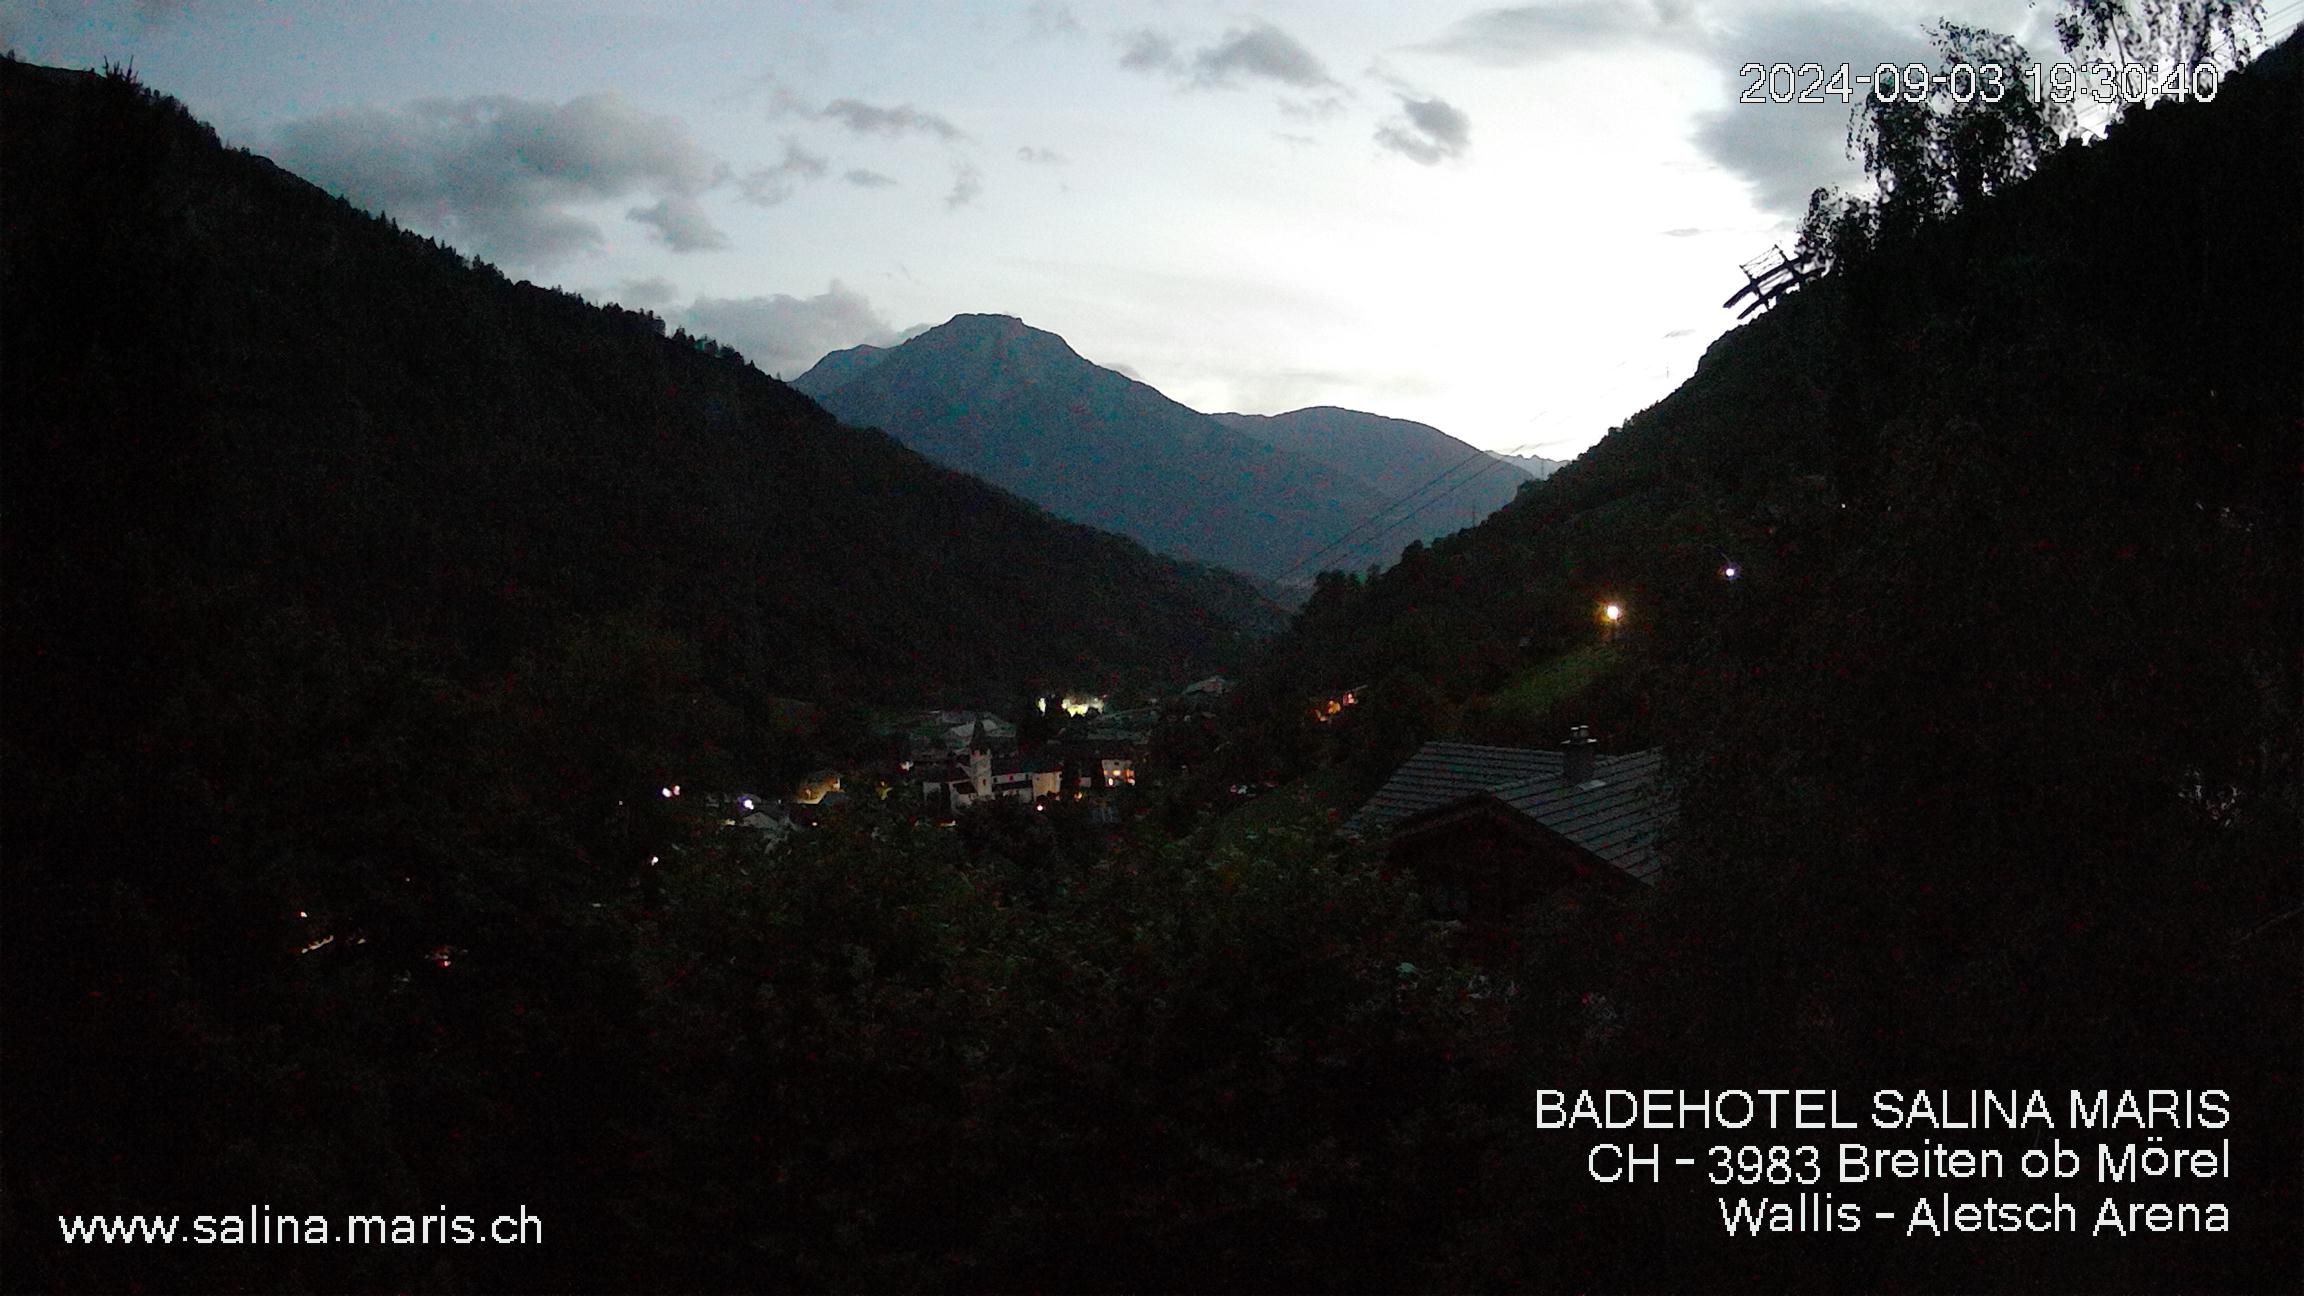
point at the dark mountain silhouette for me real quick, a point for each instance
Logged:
(213, 360)
(1433, 483)
(1016, 406)
(1965, 592)
(839, 368)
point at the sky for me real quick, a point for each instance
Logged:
(1516, 224)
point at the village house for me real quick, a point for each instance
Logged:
(976, 774)
(1486, 830)
(1330, 705)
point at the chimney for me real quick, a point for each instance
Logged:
(1576, 758)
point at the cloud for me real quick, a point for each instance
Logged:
(1427, 131)
(1685, 231)
(1782, 151)
(1146, 50)
(863, 178)
(785, 335)
(498, 175)
(768, 186)
(645, 293)
(1530, 33)
(967, 184)
(1320, 108)
(1785, 151)
(904, 119)
(1679, 333)
(1259, 50)
(1048, 18)
(1040, 156)
(680, 224)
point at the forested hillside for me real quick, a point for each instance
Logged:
(1962, 590)
(351, 590)
(268, 396)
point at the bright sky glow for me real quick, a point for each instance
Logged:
(1515, 224)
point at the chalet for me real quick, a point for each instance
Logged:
(1485, 830)
(816, 786)
(1100, 763)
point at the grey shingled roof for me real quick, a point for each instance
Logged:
(1441, 772)
(1619, 815)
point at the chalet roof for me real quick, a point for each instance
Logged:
(1618, 815)
(1444, 772)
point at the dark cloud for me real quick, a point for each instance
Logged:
(1427, 131)
(904, 119)
(497, 175)
(645, 293)
(1040, 156)
(1149, 51)
(768, 186)
(680, 224)
(1259, 50)
(784, 335)
(1529, 33)
(867, 179)
(967, 184)
(1785, 151)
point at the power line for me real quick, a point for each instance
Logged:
(1340, 542)
(1352, 541)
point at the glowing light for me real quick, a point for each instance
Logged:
(1614, 612)
(321, 943)
(746, 802)
(665, 791)
(1729, 571)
